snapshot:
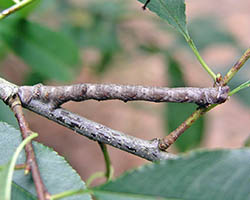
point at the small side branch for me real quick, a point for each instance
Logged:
(173, 136)
(14, 8)
(55, 96)
(31, 164)
(236, 67)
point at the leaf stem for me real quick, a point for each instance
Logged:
(200, 59)
(173, 136)
(13, 161)
(14, 8)
(240, 87)
(69, 193)
(93, 177)
(109, 169)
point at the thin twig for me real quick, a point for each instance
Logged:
(55, 96)
(14, 8)
(31, 164)
(236, 67)
(20, 166)
(173, 136)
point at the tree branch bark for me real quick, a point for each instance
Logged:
(94, 131)
(57, 95)
(46, 101)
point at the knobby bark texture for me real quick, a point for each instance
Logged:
(94, 131)
(55, 96)
(46, 101)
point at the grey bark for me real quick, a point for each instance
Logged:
(46, 101)
(55, 96)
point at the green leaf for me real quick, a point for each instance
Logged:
(6, 172)
(56, 173)
(176, 113)
(200, 175)
(7, 115)
(173, 11)
(49, 53)
(18, 193)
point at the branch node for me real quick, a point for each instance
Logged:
(164, 143)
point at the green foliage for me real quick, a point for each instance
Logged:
(57, 175)
(6, 115)
(24, 12)
(176, 113)
(173, 11)
(18, 193)
(48, 53)
(7, 170)
(53, 55)
(199, 175)
(96, 26)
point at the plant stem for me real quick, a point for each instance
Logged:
(14, 159)
(230, 74)
(200, 59)
(173, 136)
(20, 166)
(240, 87)
(109, 170)
(69, 193)
(14, 8)
(93, 177)
(31, 164)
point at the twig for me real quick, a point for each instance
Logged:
(173, 136)
(55, 96)
(31, 164)
(236, 67)
(14, 8)
(20, 166)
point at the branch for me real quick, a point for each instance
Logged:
(236, 67)
(14, 8)
(55, 96)
(31, 164)
(45, 100)
(173, 136)
(94, 131)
